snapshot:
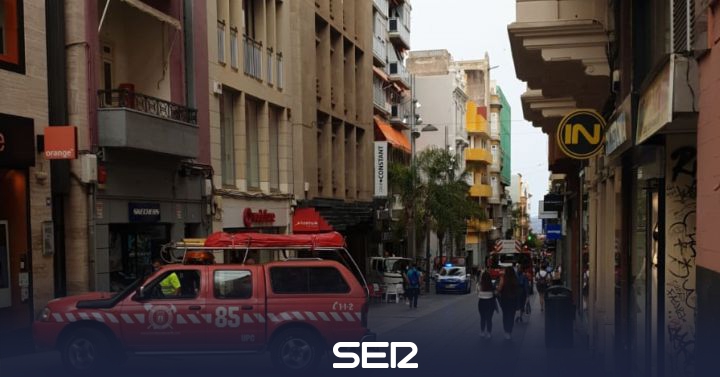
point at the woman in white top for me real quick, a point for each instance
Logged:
(486, 304)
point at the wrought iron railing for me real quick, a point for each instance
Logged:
(252, 53)
(124, 98)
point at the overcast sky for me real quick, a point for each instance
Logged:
(468, 28)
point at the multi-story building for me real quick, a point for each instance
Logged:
(392, 101)
(251, 115)
(634, 203)
(520, 209)
(332, 118)
(143, 176)
(500, 212)
(440, 85)
(27, 264)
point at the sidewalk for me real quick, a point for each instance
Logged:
(17, 342)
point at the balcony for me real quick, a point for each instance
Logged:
(399, 74)
(480, 225)
(400, 114)
(380, 98)
(478, 155)
(127, 119)
(252, 57)
(399, 33)
(480, 191)
(382, 6)
(379, 50)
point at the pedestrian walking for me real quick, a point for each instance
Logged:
(508, 290)
(542, 280)
(487, 304)
(413, 278)
(523, 293)
(557, 275)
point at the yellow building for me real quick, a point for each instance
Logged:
(477, 160)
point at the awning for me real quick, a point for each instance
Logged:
(383, 75)
(154, 12)
(396, 138)
(308, 220)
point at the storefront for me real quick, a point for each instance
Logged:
(17, 155)
(142, 204)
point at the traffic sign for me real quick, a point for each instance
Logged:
(581, 134)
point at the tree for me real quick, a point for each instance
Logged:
(437, 195)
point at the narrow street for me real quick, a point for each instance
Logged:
(444, 327)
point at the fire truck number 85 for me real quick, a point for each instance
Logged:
(227, 317)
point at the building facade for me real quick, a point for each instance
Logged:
(26, 262)
(333, 118)
(132, 71)
(251, 124)
(634, 63)
(392, 111)
(440, 86)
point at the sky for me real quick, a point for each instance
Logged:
(468, 28)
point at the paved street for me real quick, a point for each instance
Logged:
(444, 327)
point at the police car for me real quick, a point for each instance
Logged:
(295, 309)
(453, 279)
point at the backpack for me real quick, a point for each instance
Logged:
(542, 281)
(413, 278)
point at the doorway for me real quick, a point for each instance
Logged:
(132, 250)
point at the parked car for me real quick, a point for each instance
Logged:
(296, 309)
(453, 279)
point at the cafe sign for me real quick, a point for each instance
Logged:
(262, 216)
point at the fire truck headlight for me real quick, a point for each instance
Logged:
(45, 315)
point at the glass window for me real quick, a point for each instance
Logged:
(227, 136)
(252, 110)
(233, 284)
(307, 280)
(175, 284)
(12, 49)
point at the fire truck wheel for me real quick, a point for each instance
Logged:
(86, 351)
(296, 350)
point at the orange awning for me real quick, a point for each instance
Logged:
(396, 138)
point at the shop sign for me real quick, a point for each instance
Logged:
(554, 231)
(581, 134)
(552, 202)
(655, 108)
(308, 220)
(262, 216)
(380, 162)
(61, 143)
(17, 141)
(144, 212)
(619, 129)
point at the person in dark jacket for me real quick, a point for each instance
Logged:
(509, 291)
(522, 294)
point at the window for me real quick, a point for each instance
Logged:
(233, 48)
(221, 41)
(12, 38)
(175, 284)
(252, 108)
(249, 12)
(233, 284)
(275, 115)
(307, 280)
(227, 136)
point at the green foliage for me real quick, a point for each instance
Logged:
(437, 193)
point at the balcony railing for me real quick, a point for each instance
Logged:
(124, 98)
(383, 6)
(279, 66)
(399, 31)
(252, 54)
(400, 113)
(398, 72)
(380, 48)
(478, 155)
(380, 98)
(480, 191)
(234, 61)
(269, 69)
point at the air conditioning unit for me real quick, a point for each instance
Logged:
(88, 168)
